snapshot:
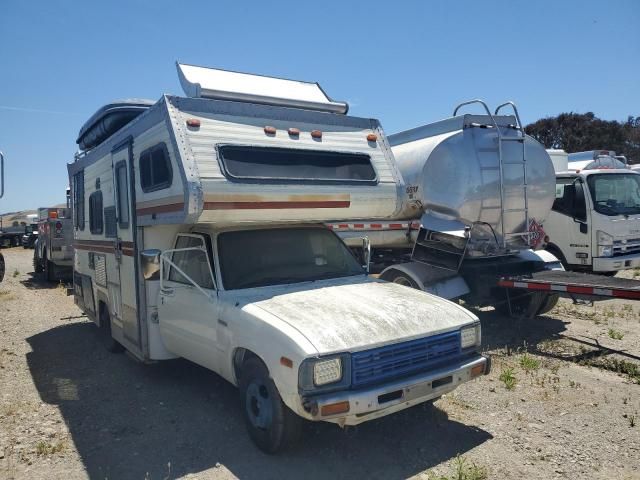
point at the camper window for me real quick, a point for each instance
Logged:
(155, 169)
(295, 165)
(122, 194)
(78, 200)
(192, 262)
(95, 212)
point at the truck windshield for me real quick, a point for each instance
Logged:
(257, 258)
(615, 194)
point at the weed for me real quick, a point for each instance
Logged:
(632, 421)
(16, 272)
(508, 378)
(631, 370)
(463, 471)
(528, 363)
(615, 334)
(46, 448)
(6, 295)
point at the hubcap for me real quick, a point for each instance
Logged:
(258, 404)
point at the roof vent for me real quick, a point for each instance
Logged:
(203, 82)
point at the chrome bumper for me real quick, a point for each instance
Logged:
(391, 397)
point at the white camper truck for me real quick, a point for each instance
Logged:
(594, 224)
(198, 234)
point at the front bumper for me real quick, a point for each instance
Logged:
(381, 400)
(620, 262)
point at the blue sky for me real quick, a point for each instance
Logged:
(406, 63)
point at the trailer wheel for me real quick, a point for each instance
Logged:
(49, 268)
(37, 266)
(106, 338)
(522, 304)
(270, 423)
(401, 278)
(1, 267)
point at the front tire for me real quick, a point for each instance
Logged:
(401, 278)
(1, 267)
(106, 338)
(37, 266)
(271, 424)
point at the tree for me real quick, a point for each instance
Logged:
(578, 132)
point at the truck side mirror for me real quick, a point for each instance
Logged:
(150, 263)
(584, 228)
(366, 253)
(1, 175)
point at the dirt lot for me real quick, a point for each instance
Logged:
(70, 410)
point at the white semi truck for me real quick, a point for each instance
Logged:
(199, 234)
(594, 224)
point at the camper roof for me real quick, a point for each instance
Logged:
(203, 82)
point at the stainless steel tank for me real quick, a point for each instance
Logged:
(478, 177)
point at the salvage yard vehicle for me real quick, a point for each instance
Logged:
(2, 265)
(53, 249)
(199, 233)
(594, 225)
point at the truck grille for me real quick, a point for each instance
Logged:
(632, 246)
(402, 359)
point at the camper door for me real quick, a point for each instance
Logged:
(126, 285)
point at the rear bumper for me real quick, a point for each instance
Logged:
(381, 400)
(621, 262)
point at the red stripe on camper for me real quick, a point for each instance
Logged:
(171, 207)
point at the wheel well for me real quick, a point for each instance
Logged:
(240, 356)
(102, 309)
(554, 249)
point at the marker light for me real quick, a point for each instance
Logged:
(270, 130)
(316, 134)
(294, 132)
(193, 122)
(372, 137)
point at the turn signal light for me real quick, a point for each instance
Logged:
(270, 130)
(287, 362)
(477, 370)
(334, 408)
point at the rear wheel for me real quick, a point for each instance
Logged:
(49, 268)
(1, 267)
(271, 424)
(37, 266)
(401, 278)
(523, 304)
(106, 338)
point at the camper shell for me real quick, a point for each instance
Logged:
(260, 162)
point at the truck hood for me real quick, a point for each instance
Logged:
(343, 315)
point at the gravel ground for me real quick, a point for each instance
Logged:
(69, 410)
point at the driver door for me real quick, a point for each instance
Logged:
(573, 220)
(188, 302)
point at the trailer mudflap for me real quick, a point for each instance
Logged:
(575, 284)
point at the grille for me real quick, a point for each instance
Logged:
(632, 246)
(394, 361)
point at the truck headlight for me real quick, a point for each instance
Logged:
(327, 371)
(470, 336)
(606, 251)
(605, 244)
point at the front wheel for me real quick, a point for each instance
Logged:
(1, 267)
(270, 423)
(106, 338)
(401, 278)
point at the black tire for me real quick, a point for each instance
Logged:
(1, 267)
(521, 305)
(106, 338)
(37, 266)
(272, 426)
(401, 278)
(49, 269)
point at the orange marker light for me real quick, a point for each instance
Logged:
(193, 122)
(372, 137)
(477, 370)
(287, 362)
(294, 132)
(270, 130)
(334, 408)
(316, 134)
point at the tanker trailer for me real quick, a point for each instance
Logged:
(475, 195)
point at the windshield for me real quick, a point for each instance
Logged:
(256, 258)
(615, 194)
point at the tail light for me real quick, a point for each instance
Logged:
(58, 227)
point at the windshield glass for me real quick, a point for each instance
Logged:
(256, 258)
(615, 194)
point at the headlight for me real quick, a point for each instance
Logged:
(604, 238)
(605, 251)
(327, 371)
(470, 336)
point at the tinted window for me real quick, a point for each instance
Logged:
(255, 258)
(78, 200)
(193, 262)
(122, 195)
(288, 165)
(155, 168)
(95, 212)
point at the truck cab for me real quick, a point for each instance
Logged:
(303, 331)
(595, 221)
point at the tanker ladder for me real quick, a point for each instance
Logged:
(574, 285)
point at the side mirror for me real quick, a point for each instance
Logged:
(1, 175)
(366, 253)
(150, 263)
(584, 228)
